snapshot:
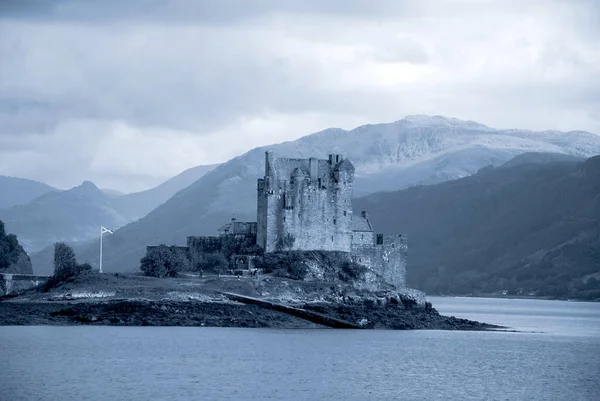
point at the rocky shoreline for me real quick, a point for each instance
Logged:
(269, 302)
(225, 314)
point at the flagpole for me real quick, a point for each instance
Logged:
(101, 232)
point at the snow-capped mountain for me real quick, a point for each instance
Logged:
(387, 157)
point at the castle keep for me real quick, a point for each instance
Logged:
(306, 205)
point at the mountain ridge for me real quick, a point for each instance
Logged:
(525, 229)
(374, 149)
(19, 191)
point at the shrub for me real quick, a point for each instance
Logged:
(351, 271)
(283, 264)
(65, 266)
(164, 261)
(214, 262)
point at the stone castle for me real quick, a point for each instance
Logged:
(306, 205)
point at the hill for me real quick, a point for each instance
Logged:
(521, 228)
(139, 204)
(19, 191)
(415, 150)
(69, 216)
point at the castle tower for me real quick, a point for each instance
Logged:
(305, 204)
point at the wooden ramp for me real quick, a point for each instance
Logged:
(301, 313)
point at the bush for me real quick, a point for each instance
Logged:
(65, 266)
(164, 261)
(350, 271)
(214, 262)
(283, 264)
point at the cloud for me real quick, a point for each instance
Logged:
(128, 93)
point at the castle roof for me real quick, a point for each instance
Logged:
(361, 223)
(345, 165)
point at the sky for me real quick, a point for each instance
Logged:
(127, 93)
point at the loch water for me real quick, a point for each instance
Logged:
(554, 356)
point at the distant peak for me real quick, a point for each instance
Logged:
(423, 119)
(88, 184)
(87, 188)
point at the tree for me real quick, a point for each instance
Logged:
(163, 261)
(65, 266)
(13, 257)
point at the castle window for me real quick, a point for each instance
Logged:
(332, 238)
(298, 215)
(393, 245)
(362, 236)
(344, 212)
(334, 221)
(283, 218)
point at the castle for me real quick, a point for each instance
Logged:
(306, 205)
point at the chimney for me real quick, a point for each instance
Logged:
(313, 166)
(364, 214)
(332, 159)
(268, 161)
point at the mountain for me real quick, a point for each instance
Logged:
(387, 157)
(112, 193)
(76, 215)
(19, 191)
(541, 158)
(139, 204)
(70, 216)
(13, 258)
(524, 227)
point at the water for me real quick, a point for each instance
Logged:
(558, 357)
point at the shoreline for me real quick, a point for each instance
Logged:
(138, 312)
(519, 297)
(265, 301)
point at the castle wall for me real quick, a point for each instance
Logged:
(204, 244)
(261, 214)
(387, 258)
(363, 238)
(320, 218)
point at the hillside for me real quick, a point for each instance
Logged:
(139, 204)
(69, 216)
(13, 258)
(415, 150)
(19, 191)
(525, 228)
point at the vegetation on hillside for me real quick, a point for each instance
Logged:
(13, 258)
(528, 229)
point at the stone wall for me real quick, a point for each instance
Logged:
(15, 283)
(386, 257)
(204, 244)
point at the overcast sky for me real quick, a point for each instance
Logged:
(127, 93)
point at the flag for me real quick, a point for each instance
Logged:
(105, 230)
